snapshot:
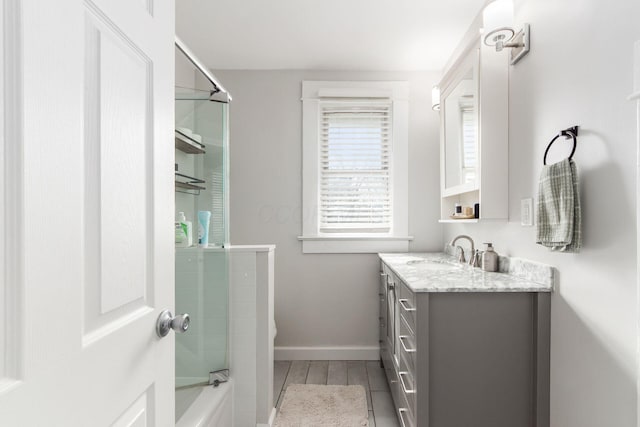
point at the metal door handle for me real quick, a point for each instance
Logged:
(167, 321)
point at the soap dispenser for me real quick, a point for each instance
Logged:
(184, 233)
(489, 258)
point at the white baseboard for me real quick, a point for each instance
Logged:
(327, 353)
(272, 419)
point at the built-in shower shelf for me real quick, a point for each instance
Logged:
(188, 186)
(188, 145)
(186, 183)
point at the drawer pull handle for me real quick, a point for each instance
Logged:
(404, 305)
(401, 412)
(402, 374)
(404, 346)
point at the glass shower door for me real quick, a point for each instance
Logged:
(201, 291)
(201, 274)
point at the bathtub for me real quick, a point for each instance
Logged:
(248, 401)
(211, 407)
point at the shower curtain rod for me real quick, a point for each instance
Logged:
(217, 86)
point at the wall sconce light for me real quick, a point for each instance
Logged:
(497, 19)
(435, 98)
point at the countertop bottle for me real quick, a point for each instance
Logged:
(489, 258)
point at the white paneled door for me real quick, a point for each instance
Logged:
(86, 261)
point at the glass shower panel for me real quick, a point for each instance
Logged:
(202, 273)
(212, 168)
(207, 121)
(201, 291)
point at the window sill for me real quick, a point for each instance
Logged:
(354, 244)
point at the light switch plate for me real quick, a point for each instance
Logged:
(526, 212)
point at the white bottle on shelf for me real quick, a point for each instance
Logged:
(184, 232)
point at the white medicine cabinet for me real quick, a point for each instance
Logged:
(459, 120)
(474, 133)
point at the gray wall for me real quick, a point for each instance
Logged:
(579, 71)
(321, 300)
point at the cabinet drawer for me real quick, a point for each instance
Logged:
(408, 345)
(403, 412)
(407, 304)
(408, 388)
(405, 417)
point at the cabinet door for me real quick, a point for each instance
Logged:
(382, 310)
(391, 316)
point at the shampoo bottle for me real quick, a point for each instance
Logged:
(489, 258)
(184, 232)
(203, 228)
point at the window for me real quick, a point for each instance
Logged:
(355, 160)
(355, 167)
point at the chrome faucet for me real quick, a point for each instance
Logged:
(462, 258)
(476, 261)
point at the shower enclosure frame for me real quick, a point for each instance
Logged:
(218, 94)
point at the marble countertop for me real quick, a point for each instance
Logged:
(439, 272)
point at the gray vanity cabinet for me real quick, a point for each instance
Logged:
(466, 359)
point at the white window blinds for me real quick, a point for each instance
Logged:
(355, 163)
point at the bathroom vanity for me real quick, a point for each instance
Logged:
(464, 347)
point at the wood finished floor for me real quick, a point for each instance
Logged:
(368, 374)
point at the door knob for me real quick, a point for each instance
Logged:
(167, 321)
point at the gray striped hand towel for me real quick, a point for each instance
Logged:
(559, 225)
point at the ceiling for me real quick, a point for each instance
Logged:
(324, 34)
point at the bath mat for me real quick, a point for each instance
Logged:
(311, 405)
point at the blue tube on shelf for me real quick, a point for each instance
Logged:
(203, 228)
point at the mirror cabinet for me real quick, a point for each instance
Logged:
(459, 109)
(474, 134)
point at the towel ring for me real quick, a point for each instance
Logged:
(571, 132)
